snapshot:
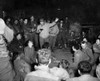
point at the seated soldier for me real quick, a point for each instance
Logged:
(84, 69)
(96, 48)
(78, 55)
(90, 54)
(21, 67)
(29, 51)
(88, 51)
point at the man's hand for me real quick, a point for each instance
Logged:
(56, 20)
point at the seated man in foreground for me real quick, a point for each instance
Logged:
(42, 72)
(84, 69)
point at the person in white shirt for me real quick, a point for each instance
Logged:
(43, 30)
(6, 31)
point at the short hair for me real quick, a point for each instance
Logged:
(44, 56)
(65, 64)
(84, 67)
(45, 45)
(76, 46)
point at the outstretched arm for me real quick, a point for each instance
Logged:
(53, 23)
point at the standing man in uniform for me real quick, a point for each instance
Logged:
(53, 35)
(43, 30)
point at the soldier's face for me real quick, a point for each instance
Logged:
(61, 22)
(19, 37)
(85, 39)
(30, 44)
(16, 22)
(25, 21)
(32, 18)
(83, 45)
(97, 42)
(9, 19)
(41, 22)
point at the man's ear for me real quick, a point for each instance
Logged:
(79, 72)
(49, 62)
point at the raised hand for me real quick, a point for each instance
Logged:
(56, 20)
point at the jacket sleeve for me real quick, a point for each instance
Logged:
(38, 29)
(76, 60)
(95, 49)
(52, 24)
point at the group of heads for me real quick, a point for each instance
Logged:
(44, 56)
(20, 20)
(43, 21)
(82, 45)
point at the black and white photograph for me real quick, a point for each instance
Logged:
(49, 40)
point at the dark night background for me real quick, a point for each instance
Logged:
(82, 10)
